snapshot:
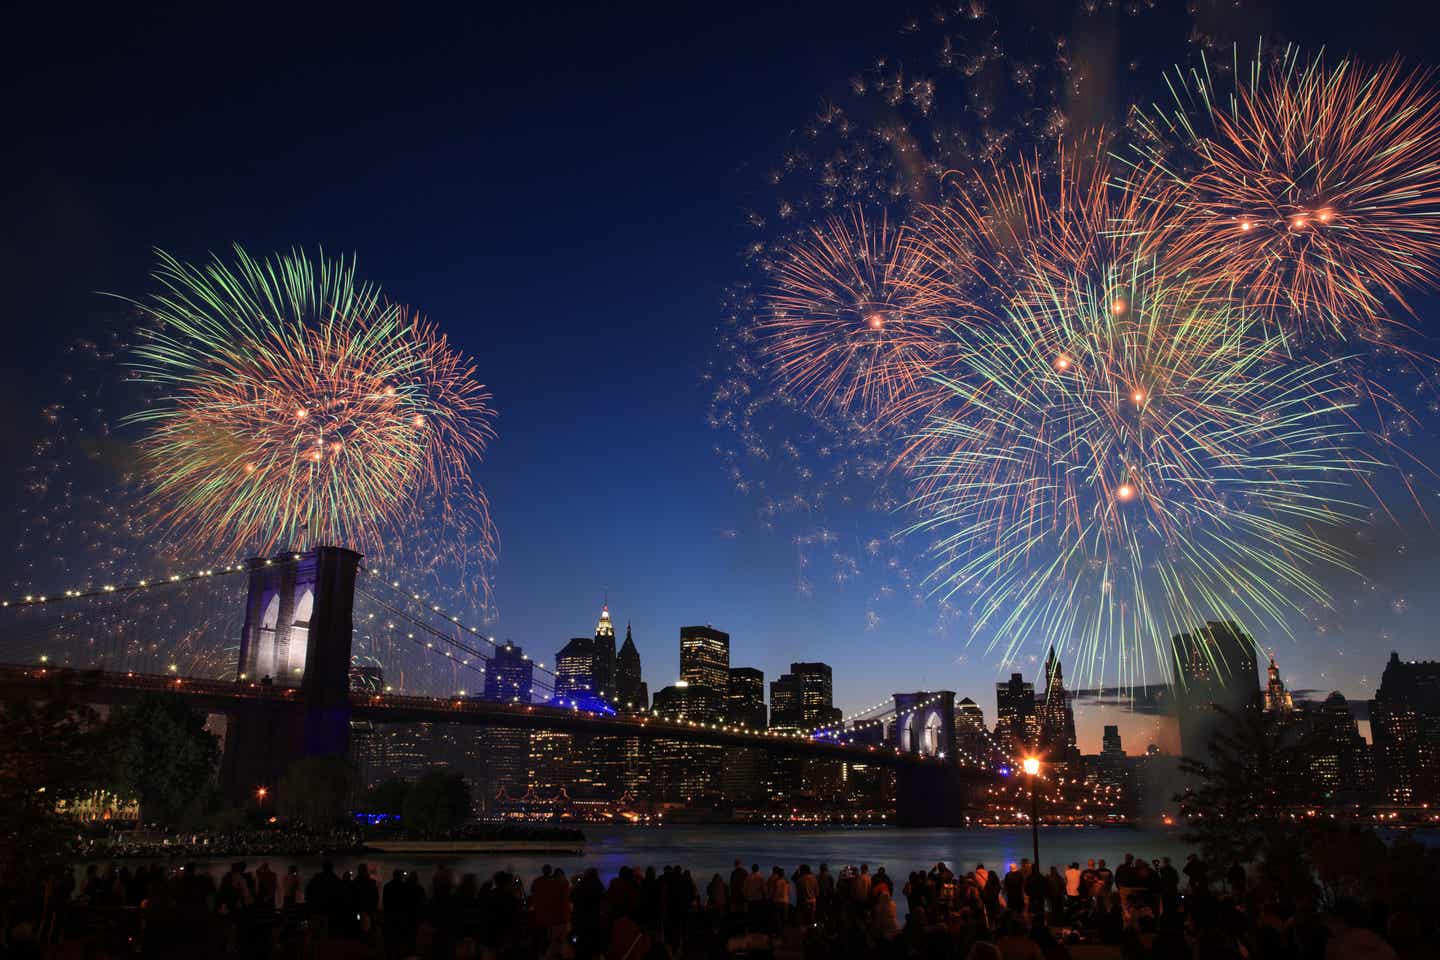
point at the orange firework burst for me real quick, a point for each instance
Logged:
(295, 404)
(1027, 226)
(1312, 191)
(850, 321)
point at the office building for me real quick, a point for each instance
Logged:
(1214, 680)
(705, 668)
(1016, 724)
(510, 674)
(745, 701)
(1405, 728)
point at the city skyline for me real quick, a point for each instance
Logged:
(595, 327)
(1140, 727)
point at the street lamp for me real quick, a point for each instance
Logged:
(260, 794)
(1032, 769)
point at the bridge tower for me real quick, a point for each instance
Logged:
(297, 634)
(930, 794)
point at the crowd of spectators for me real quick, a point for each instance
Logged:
(1138, 910)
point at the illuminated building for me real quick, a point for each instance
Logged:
(1214, 677)
(552, 762)
(1278, 701)
(604, 671)
(680, 771)
(1405, 727)
(970, 733)
(705, 668)
(786, 703)
(802, 698)
(1055, 716)
(745, 770)
(1340, 765)
(1113, 767)
(510, 675)
(1016, 725)
(745, 700)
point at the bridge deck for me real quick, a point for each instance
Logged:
(102, 687)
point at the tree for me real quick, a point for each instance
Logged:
(436, 804)
(50, 754)
(317, 791)
(159, 752)
(1242, 808)
(387, 797)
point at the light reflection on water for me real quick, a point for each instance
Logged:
(706, 850)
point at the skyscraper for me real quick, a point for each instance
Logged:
(605, 654)
(802, 698)
(1405, 727)
(510, 675)
(630, 687)
(1214, 674)
(817, 707)
(705, 668)
(1056, 716)
(786, 703)
(1113, 766)
(745, 702)
(1339, 757)
(577, 669)
(970, 732)
(1016, 726)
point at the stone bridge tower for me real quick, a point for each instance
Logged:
(297, 633)
(931, 794)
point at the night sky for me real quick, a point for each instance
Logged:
(563, 191)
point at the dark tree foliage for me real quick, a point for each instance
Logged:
(317, 791)
(387, 797)
(1243, 795)
(160, 752)
(49, 752)
(437, 803)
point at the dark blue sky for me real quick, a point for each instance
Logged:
(561, 189)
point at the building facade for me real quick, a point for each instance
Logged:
(705, 669)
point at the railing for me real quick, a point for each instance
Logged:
(619, 724)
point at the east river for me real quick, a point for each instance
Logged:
(706, 850)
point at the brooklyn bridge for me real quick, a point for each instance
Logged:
(289, 693)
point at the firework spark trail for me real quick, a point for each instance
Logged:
(1312, 189)
(296, 404)
(851, 320)
(1122, 474)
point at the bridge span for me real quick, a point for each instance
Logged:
(299, 627)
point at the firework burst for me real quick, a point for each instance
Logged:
(295, 403)
(1312, 190)
(1131, 460)
(851, 319)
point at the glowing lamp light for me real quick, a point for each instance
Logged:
(1031, 765)
(261, 793)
